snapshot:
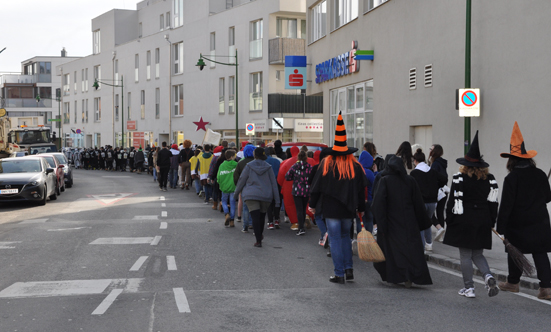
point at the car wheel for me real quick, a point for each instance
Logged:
(44, 193)
(70, 183)
(53, 197)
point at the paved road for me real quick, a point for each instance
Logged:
(114, 253)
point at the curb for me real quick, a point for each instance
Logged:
(455, 264)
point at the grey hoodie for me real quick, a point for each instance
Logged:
(257, 182)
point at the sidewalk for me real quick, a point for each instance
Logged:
(448, 257)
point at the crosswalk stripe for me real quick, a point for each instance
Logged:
(145, 217)
(171, 263)
(156, 240)
(181, 300)
(163, 204)
(123, 240)
(164, 225)
(162, 198)
(138, 263)
(164, 214)
(106, 303)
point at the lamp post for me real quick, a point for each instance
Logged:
(467, 143)
(96, 86)
(201, 64)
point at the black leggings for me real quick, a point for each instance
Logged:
(439, 218)
(300, 205)
(258, 224)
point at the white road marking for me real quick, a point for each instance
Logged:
(181, 300)
(123, 240)
(171, 263)
(164, 214)
(138, 263)
(145, 218)
(163, 204)
(34, 221)
(115, 177)
(7, 245)
(530, 297)
(162, 198)
(106, 303)
(164, 225)
(156, 240)
(66, 229)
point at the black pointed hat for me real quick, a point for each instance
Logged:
(473, 157)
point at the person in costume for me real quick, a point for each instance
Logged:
(400, 213)
(471, 213)
(299, 173)
(523, 217)
(338, 192)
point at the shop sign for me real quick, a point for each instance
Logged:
(138, 139)
(295, 72)
(261, 125)
(338, 66)
(131, 125)
(309, 125)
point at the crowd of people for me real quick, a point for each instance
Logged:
(399, 198)
(108, 158)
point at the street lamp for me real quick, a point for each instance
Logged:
(96, 86)
(201, 64)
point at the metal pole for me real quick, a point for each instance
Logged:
(467, 143)
(236, 102)
(59, 114)
(122, 110)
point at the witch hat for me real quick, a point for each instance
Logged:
(517, 146)
(340, 148)
(473, 157)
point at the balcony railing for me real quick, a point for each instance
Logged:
(14, 78)
(284, 103)
(280, 47)
(217, 6)
(27, 102)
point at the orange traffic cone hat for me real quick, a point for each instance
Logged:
(341, 148)
(517, 146)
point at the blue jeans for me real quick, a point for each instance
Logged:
(173, 177)
(225, 197)
(368, 219)
(207, 188)
(154, 173)
(321, 224)
(246, 216)
(198, 186)
(341, 245)
(426, 234)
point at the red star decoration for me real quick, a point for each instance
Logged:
(201, 124)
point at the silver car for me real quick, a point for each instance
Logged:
(27, 179)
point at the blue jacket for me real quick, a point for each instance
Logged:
(275, 164)
(366, 160)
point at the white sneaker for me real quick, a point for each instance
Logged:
(467, 292)
(491, 285)
(440, 235)
(428, 246)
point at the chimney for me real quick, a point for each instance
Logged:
(63, 53)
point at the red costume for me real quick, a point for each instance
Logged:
(287, 186)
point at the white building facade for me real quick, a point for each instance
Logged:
(149, 86)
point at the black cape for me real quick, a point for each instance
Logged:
(400, 213)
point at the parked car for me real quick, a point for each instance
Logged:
(27, 179)
(60, 157)
(311, 146)
(18, 154)
(60, 174)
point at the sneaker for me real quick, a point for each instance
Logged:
(491, 285)
(271, 226)
(301, 232)
(244, 230)
(440, 235)
(238, 219)
(323, 240)
(164, 189)
(206, 202)
(349, 274)
(161, 188)
(286, 219)
(294, 227)
(276, 224)
(467, 292)
(428, 246)
(506, 286)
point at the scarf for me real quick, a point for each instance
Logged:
(458, 192)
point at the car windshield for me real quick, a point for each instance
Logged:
(19, 166)
(32, 136)
(60, 159)
(50, 161)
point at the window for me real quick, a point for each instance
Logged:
(116, 71)
(157, 103)
(278, 75)
(76, 104)
(157, 59)
(178, 52)
(66, 113)
(142, 103)
(255, 44)
(167, 23)
(371, 4)
(86, 111)
(221, 108)
(344, 11)
(178, 105)
(231, 94)
(75, 81)
(97, 43)
(255, 100)
(86, 78)
(82, 80)
(148, 65)
(231, 36)
(97, 74)
(140, 30)
(212, 48)
(178, 10)
(136, 67)
(83, 118)
(318, 18)
(97, 109)
(66, 84)
(44, 72)
(129, 103)
(116, 107)
(161, 22)
(286, 27)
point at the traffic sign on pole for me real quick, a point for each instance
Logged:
(249, 129)
(469, 102)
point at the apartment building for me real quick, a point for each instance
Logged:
(150, 89)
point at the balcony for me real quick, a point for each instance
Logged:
(280, 47)
(217, 6)
(284, 103)
(18, 79)
(27, 102)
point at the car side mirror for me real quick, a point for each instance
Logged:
(49, 170)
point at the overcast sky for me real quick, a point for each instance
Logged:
(43, 27)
